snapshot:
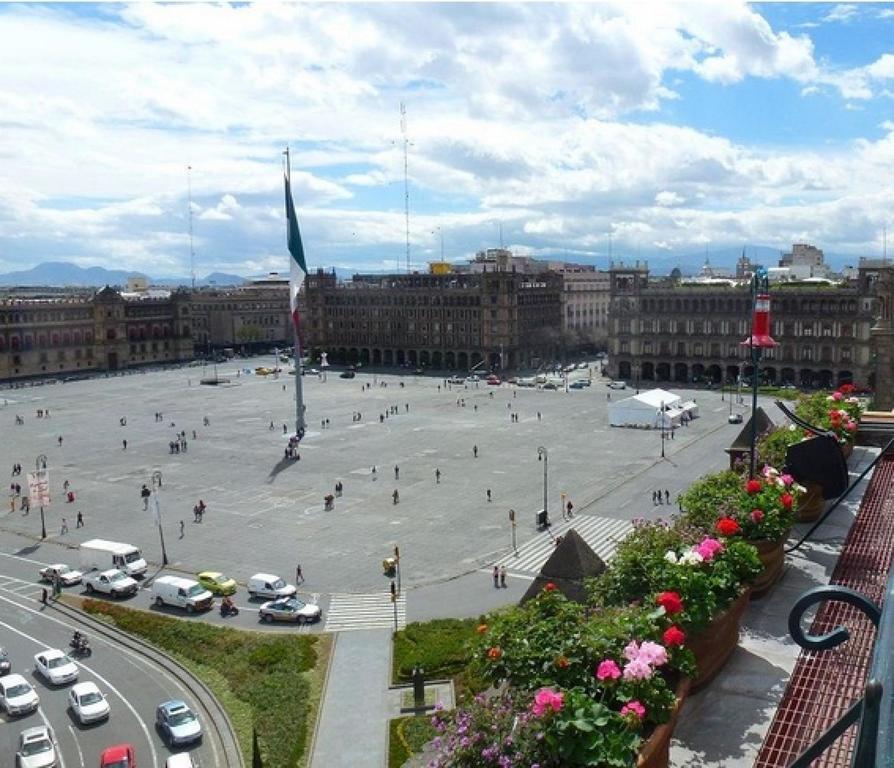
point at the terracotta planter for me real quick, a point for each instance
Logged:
(715, 644)
(772, 555)
(811, 504)
(847, 449)
(655, 752)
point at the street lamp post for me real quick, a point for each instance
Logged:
(41, 466)
(156, 484)
(512, 523)
(661, 416)
(543, 455)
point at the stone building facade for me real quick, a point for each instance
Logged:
(664, 331)
(490, 320)
(585, 303)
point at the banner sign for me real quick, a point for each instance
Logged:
(39, 488)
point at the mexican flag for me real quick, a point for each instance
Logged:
(298, 268)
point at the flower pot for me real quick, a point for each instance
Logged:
(811, 504)
(655, 751)
(847, 448)
(772, 555)
(716, 642)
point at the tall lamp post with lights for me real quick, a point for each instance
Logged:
(543, 455)
(42, 485)
(759, 340)
(156, 484)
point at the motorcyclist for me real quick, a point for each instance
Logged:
(227, 606)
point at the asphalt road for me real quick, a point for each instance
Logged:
(133, 684)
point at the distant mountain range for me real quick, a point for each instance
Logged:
(61, 273)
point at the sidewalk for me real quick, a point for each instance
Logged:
(353, 724)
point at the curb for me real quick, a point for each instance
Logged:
(312, 744)
(215, 714)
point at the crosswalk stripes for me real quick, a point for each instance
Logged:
(601, 533)
(19, 586)
(375, 611)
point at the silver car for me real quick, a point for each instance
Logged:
(177, 723)
(37, 748)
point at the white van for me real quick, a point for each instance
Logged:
(102, 555)
(181, 593)
(269, 587)
(183, 760)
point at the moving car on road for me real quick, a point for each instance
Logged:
(87, 703)
(216, 583)
(181, 593)
(55, 667)
(290, 609)
(119, 756)
(67, 576)
(269, 587)
(17, 696)
(493, 380)
(37, 748)
(616, 385)
(111, 582)
(177, 723)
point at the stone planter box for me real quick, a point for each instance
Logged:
(715, 644)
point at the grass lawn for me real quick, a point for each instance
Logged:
(407, 736)
(270, 681)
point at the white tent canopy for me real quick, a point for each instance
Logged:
(647, 410)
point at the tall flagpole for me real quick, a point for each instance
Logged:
(299, 392)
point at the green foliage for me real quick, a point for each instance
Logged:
(835, 411)
(261, 675)
(407, 736)
(724, 495)
(772, 445)
(439, 647)
(657, 558)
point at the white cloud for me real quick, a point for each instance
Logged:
(843, 12)
(667, 199)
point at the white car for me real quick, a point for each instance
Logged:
(37, 748)
(17, 696)
(55, 667)
(67, 576)
(87, 703)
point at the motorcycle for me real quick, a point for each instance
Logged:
(228, 609)
(80, 646)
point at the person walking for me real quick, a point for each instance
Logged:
(64, 527)
(496, 577)
(182, 529)
(79, 523)
(569, 509)
(396, 472)
(488, 495)
(475, 451)
(395, 496)
(124, 445)
(299, 575)
(667, 496)
(503, 576)
(145, 493)
(438, 476)
(373, 472)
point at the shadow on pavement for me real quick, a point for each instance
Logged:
(279, 467)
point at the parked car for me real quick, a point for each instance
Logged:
(735, 418)
(347, 375)
(87, 703)
(216, 583)
(269, 587)
(181, 593)
(67, 576)
(473, 378)
(456, 380)
(111, 582)
(37, 748)
(17, 696)
(617, 385)
(177, 723)
(578, 384)
(290, 609)
(549, 385)
(55, 667)
(493, 380)
(119, 756)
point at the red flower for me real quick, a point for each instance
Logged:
(673, 636)
(726, 526)
(562, 662)
(670, 601)
(550, 587)
(495, 653)
(481, 629)
(787, 500)
(753, 486)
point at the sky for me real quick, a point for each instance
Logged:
(630, 130)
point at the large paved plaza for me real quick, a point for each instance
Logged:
(265, 514)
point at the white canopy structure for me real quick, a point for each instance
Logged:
(647, 410)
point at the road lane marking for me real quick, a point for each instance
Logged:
(77, 744)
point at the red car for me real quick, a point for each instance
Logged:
(493, 380)
(120, 756)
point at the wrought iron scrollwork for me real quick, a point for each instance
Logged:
(820, 595)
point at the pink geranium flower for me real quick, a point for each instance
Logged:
(547, 699)
(757, 515)
(634, 708)
(787, 480)
(608, 670)
(709, 547)
(638, 669)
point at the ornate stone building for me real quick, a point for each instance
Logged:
(665, 331)
(493, 319)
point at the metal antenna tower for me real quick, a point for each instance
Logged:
(403, 130)
(192, 252)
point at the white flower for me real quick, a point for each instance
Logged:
(671, 557)
(830, 397)
(799, 488)
(691, 558)
(792, 428)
